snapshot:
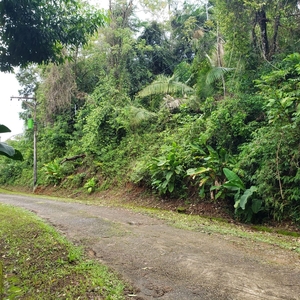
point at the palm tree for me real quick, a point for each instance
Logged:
(164, 85)
(216, 62)
(167, 87)
(216, 72)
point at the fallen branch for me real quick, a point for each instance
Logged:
(72, 158)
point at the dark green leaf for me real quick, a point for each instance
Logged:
(256, 205)
(171, 186)
(248, 193)
(233, 185)
(233, 177)
(6, 149)
(169, 175)
(4, 129)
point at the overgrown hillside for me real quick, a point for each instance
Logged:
(201, 106)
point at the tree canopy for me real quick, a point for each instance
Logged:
(36, 31)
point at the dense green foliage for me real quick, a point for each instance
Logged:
(38, 31)
(193, 107)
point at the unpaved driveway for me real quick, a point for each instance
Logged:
(163, 262)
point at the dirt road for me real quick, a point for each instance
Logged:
(163, 262)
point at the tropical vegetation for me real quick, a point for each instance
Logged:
(201, 106)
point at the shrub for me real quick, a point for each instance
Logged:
(167, 172)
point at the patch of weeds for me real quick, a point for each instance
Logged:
(90, 185)
(75, 255)
(218, 219)
(262, 228)
(38, 263)
(287, 233)
(275, 230)
(181, 209)
(5, 191)
(105, 185)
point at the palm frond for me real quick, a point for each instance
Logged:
(136, 115)
(216, 73)
(140, 114)
(211, 61)
(165, 85)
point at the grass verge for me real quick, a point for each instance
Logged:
(283, 239)
(38, 263)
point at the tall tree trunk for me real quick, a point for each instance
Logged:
(280, 6)
(262, 21)
(254, 36)
(275, 34)
(220, 54)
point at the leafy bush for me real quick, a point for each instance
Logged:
(272, 158)
(167, 172)
(272, 164)
(210, 174)
(10, 171)
(245, 206)
(90, 185)
(54, 172)
(229, 123)
(74, 180)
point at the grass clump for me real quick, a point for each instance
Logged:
(38, 263)
(275, 230)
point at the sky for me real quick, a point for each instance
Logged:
(9, 110)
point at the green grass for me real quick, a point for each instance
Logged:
(275, 230)
(38, 263)
(4, 191)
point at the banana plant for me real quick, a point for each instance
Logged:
(209, 174)
(242, 196)
(7, 150)
(54, 172)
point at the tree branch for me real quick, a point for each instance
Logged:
(72, 158)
